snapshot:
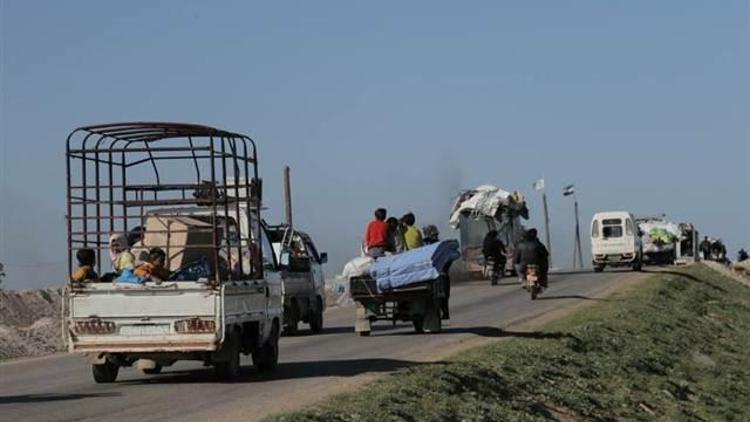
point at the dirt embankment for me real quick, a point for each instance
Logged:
(30, 323)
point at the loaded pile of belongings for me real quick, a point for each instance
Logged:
(660, 231)
(425, 264)
(489, 201)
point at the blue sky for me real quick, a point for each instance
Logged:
(643, 105)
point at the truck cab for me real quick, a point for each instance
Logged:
(615, 241)
(222, 295)
(303, 279)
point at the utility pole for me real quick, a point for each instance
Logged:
(577, 252)
(288, 196)
(578, 233)
(539, 185)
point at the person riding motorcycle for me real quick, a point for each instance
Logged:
(532, 252)
(494, 253)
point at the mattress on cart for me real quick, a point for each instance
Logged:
(419, 265)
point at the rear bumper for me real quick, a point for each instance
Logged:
(115, 344)
(615, 259)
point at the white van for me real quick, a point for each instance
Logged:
(615, 241)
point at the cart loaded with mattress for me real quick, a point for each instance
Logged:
(411, 286)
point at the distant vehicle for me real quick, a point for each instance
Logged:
(615, 241)
(659, 238)
(302, 277)
(223, 295)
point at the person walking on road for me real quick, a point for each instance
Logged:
(532, 252)
(376, 235)
(412, 235)
(705, 248)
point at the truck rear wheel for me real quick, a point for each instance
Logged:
(316, 319)
(292, 319)
(431, 321)
(418, 324)
(598, 268)
(266, 358)
(229, 370)
(105, 373)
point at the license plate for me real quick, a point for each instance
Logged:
(144, 330)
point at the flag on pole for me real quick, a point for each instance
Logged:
(538, 185)
(569, 190)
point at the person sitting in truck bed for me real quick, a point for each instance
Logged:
(395, 236)
(154, 268)
(412, 235)
(376, 236)
(120, 256)
(85, 271)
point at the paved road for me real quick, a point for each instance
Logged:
(60, 388)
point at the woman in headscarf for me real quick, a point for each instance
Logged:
(119, 253)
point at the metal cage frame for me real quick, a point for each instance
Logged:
(99, 197)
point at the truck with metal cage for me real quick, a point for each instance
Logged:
(194, 192)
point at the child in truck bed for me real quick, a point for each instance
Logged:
(85, 271)
(154, 268)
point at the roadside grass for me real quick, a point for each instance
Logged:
(677, 347)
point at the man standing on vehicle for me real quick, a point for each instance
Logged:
(532, 252)
(412, 235)
(376, 236)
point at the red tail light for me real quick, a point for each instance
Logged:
(94, 326)
(195, 326)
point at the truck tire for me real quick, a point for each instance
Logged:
(431, 321)
(105, 373)
(418, 324)
(266, 358)
(229, 370)
(292, 319)
(598, 268)
(153, 371)
(364, 333)
(316, 319)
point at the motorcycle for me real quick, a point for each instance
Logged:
(488, 270)
(531, 281)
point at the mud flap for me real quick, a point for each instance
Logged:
(362, 323)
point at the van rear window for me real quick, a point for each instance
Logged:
(612, 231)
(612, 222)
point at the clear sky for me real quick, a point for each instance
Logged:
(643, 105)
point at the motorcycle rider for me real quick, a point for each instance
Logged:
(494, 252)
(532, 252)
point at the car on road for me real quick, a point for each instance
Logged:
(223, 294)
(302, 276)
(615, 241)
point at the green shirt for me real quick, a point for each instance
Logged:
(412, 237)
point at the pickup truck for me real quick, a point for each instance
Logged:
(223, 296)
(302, 277)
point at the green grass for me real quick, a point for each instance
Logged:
(677, 347)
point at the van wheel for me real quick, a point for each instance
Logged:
(105, 373)
(230, 370)
(292, 320)
(598, 268)
(266, 358)
(316, 320)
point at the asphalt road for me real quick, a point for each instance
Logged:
(60, 387)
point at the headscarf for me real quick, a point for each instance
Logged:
(117, 242)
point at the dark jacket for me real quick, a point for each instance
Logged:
(493, 247)
(531, 252)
